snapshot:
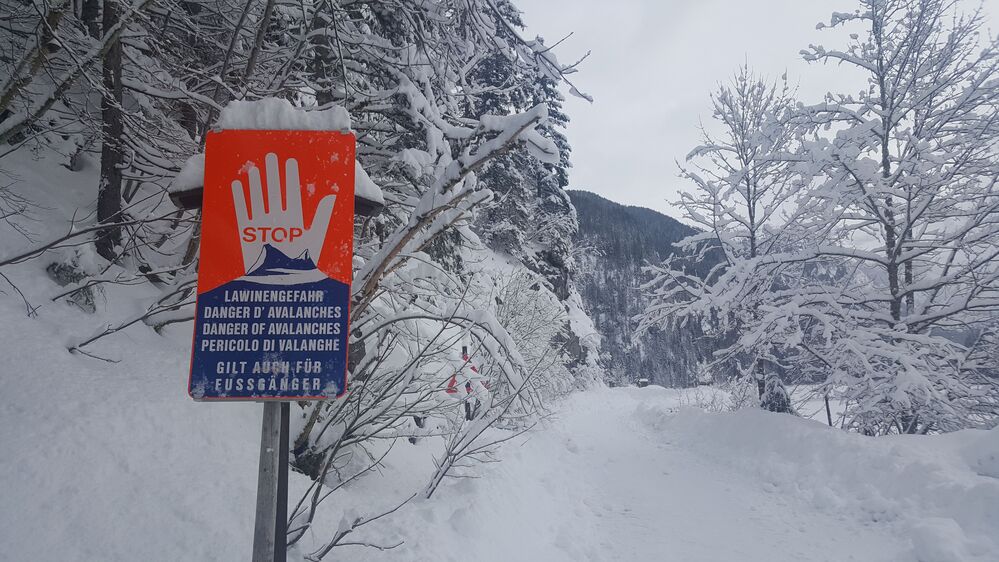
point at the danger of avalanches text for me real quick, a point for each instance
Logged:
(271, 327)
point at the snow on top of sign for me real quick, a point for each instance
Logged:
(279, 114)
(364, 187)
(192, 175)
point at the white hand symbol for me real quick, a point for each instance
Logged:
(283, 227)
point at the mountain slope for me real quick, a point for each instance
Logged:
(617, 240)
(630, 235)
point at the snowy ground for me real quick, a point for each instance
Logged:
(114, 462)
(621, 476)
(110, 460)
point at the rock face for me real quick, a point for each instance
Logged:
(616, 241)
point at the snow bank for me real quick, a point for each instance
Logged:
(111, 461)
(279, 114)
(940, 491)
(108, 460)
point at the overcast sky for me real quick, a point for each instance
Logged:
(652, 66)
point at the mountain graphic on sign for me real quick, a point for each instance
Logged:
(275, 262)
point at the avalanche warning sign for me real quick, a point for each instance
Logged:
(275, 269)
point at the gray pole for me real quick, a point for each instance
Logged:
(281, 513)
(264, 526)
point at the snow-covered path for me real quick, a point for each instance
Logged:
(656, 500)
(599, 484)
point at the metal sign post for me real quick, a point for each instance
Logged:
(270, 526)
(264, 526)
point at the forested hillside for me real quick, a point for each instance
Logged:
(615, 241)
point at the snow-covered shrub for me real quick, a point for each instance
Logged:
(538, 323)
(707, 398)
(743, 393)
